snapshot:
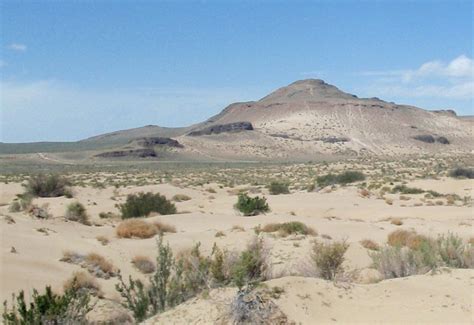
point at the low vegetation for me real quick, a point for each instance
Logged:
(76, 211)
(144, 264)
(343, 178)
(461, 172)
(138, 228)
(181, 198)
(83, 282)
(96, 264)
(251, 206)
(370, 244)
(403, 189)
(48, 307)
(177, 279)
(276, 188)
(48, 186)
(142, 204)
(289, 228)
(409, 253)
(328, 258)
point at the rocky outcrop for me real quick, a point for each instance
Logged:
(158, 141)
(427, 138)
(133, 153)
(223, 128)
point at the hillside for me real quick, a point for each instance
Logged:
(307, 119)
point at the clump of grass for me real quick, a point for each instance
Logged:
(103, 240)
(370, 244)
(276, 188)
(136, 229)
(396, 221)
(82, 281)
(251, 206)
(237, 228)
(220, 233)
(462, 172)
(76, 211)
(142, 204)
(409, 253)
(48, 186)
(403, 189)
(289, 228)
(99, 266)
(144, 264)
(343, 178)
(181, 198)
(328, 258)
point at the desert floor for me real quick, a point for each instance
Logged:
(31, 248)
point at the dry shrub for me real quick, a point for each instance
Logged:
(220, 233)
(328, 258)
(181, 198)
(102, 239)
(364, 193)
(237, 228)
(144, 264)
(83, 281)
(288, 228)
(163, 227)
(136, 228)
(406, 238)
(389, 201)
(77, 212)
(370, 244)
(96, 261)
(396, 221)
(471, 241)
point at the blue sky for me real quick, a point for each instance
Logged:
(74, 69)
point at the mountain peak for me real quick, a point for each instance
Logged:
(306, 89)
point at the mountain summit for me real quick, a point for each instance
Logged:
(307, 89)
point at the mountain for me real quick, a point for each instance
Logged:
(307, 119)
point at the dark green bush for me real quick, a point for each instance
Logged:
(276, 188)
(48, 308)
(406, 190)
(343, 178)
(142, 204)
(48, 186)
(251, 206)
(461, 172)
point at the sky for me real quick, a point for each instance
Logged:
(74, 69)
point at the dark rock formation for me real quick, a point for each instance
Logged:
(134, 153)
(158, 141)
(431, 139)
(425, 138)
(223, 128)
(334, 139)
(442, 140)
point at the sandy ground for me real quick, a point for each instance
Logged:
(340, 214)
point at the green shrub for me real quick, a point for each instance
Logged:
(142, 204)
(251, 206)
(48, 186)
(461, 172)
(289, 228)
(276, 188)
(48, 308)
(328, 258)
(77, 212)
(403, 189)
(343, 178)
(252, 265)
(396, 262)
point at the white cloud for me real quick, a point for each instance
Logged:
(434, 79)
(17, 47)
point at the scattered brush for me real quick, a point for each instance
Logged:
(144, 264)
(289, 228)
(48, 186)
(181, 198)
(77, 212)
(328, 258)
(369, 244)
(82, 281)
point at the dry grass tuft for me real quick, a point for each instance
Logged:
(370, 244)
(144, 264)
(163, 227)
(103, 240)
(237, 228)
(98, 261)
(181, 198)
(136, 228)
(406, 238)
(396, 221)
(220, 233)
(289, 228)
(83, 281)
